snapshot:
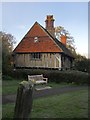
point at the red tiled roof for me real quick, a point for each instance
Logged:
(45, 42)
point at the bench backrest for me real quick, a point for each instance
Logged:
(35, 77)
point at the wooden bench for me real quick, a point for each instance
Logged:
(37, 79)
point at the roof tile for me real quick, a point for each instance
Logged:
(45, 43)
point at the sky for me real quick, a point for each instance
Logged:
(18, 18)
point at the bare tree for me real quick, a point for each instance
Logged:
(59, 31)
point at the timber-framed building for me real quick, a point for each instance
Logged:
(40, 49)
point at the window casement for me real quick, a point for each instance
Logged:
(35, 56)
(35, 39)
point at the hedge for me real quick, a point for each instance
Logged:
(57, 76)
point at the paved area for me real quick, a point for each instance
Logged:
(44, 93)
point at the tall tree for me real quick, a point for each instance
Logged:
(7, 46)
(59, 31)
(82, 63)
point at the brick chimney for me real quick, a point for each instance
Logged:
(63, 39)
(50, 25)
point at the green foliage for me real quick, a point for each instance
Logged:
(57, 76)
(7, 47)
(6, 77)
(70, 77)
(82, 63)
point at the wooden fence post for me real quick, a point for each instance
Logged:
(24, 100)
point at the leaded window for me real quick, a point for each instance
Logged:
(36, 56)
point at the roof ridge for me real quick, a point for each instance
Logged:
(59, 43)
(25, 35)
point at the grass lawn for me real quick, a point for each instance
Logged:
(70, 105)
(10, 86)
(67, 105)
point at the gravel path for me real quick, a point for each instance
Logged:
(44, 93)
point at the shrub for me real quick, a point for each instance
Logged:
(83, 65)
(57, 76)
(6, 77)
(76, 77)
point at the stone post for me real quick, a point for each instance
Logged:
(24, 100)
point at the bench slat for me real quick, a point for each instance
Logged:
(37, 79)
